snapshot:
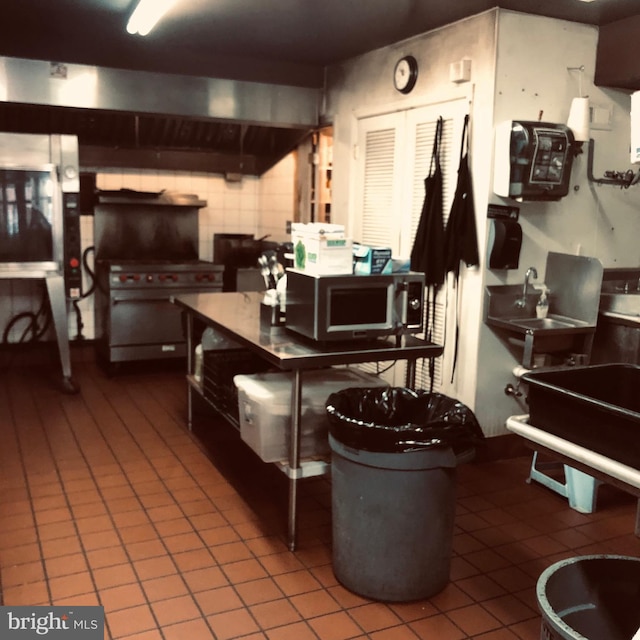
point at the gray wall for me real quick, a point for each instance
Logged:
(594, 220)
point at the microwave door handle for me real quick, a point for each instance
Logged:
(404, 304)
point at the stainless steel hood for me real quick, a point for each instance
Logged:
(149, 120)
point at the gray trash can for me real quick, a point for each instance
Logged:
(393, 489)
(590, 598)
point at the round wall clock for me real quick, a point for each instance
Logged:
(405, 74)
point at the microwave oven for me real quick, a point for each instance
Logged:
(351, 307)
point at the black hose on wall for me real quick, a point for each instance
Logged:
(37, 325)
(40, 321)
(86, 294)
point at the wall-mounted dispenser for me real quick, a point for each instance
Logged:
(505, 237)
(532, 160)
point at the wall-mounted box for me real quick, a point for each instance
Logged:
(533, 160)
(460, 71)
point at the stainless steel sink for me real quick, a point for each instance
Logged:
(546, 323)
(627, 304)
(574, 283)
(552, 325)
(545, 335)
(501, 311)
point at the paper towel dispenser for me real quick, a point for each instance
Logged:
(505, 237)
(532, 160)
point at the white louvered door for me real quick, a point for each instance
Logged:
(393, 159)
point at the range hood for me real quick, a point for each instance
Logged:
(132, 119)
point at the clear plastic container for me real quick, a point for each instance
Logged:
(197, 366)
(264, 405)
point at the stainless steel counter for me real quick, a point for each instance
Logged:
(237, 314)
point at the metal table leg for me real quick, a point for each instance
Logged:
(188, 317)
(294, 457)
(58, 303)
(410, 375)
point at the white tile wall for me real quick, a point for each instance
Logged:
(278, 199)
(259, 206)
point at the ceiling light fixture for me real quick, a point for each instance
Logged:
(146, 15)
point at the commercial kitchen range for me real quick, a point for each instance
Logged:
(146, 250)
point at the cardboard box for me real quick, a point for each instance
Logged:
(371, 260)
(321, 249)
(264, 408)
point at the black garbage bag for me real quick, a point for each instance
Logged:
(396, 419)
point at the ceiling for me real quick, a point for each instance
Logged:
(282, 41)
(273, 41)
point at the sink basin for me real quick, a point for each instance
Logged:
(503, 312)
(552, 334)
(627, 304)
(552, 324)
(543, 323)
(574, 283)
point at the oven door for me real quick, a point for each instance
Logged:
(146, 318)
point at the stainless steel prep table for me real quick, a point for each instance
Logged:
(237, 315)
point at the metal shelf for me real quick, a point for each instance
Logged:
(309, 468)
(196, 386)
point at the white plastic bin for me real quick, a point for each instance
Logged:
(264, 407)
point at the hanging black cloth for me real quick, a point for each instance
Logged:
(427, 254)
(461, 242)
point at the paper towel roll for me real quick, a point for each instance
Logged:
(578, 120)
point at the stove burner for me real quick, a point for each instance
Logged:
(199, 274)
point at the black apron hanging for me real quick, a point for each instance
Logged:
(461, 242)
(427, 254)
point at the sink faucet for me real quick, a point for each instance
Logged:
(522, 302)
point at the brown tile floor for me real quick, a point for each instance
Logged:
(107, 499)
